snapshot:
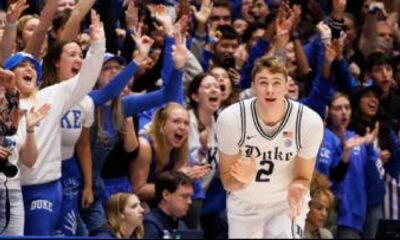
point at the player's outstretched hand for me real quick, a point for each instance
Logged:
(244, 170)
(295, 199)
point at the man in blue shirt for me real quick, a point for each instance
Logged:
(174, 195)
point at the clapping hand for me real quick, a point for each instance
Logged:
(33, 117)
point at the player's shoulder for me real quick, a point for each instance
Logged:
(233, 113)
(307, 114)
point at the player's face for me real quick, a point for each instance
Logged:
(70, 62)
(176, 127)
(319, 209)
(180, 200)
(340, 112)
(208, 95)
(269, 88)
(224, 82)
(133, 211)
(25, 76)
(369, 104)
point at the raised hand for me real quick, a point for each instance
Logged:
(338, 9)
(15, 10)
(204, 12)
(143, 44)
(96, 27)
(179, 50)
(33, 117)
(132, 15)
(183, 24)
(162, 16)
(325, 33)
(295, 199)
(183, 8)
(296, 9)
(7, 80)
(244, 171)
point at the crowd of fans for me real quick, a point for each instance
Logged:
(109, 107)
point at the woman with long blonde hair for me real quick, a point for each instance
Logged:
(164, 148)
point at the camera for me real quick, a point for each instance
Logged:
(7, 168)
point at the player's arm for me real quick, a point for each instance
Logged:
(304, 162)
(235, 173)
(303, 171)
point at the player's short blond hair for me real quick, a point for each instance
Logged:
(273, 64)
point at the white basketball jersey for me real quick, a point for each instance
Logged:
(275, 152)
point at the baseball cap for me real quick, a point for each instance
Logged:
(109, 56)
(18, 58)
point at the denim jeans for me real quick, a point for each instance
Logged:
(17, 212)
(374, 214)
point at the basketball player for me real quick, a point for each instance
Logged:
(267, 149)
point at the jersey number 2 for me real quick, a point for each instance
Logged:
(263, 173)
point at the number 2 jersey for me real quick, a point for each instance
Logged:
(241, 130)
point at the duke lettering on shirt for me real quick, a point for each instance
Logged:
(42, 204)
(275, 154)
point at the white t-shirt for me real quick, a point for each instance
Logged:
(195, 145)
(61, 97)
(81, 115)
(298, 134)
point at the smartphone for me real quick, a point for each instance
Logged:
(228, 62)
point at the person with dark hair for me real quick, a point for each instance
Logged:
(174, 195)
(221, 13)
(222, 51)
(367, 113)
(380, 70)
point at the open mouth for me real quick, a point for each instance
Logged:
(178, 136)
(222, 87)
(213, 99)
(28, 78)
(75, 70)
